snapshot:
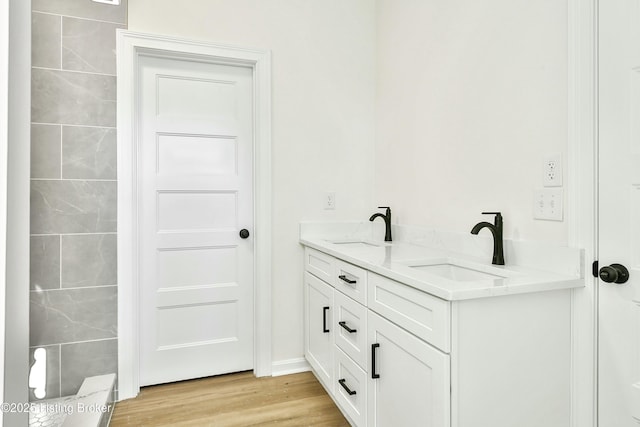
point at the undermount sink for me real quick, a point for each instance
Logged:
(460, 271)
(356, 244)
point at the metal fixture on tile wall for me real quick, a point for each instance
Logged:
(38, 373)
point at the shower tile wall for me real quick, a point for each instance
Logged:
(73, 189)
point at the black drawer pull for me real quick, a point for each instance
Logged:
(324, 319)
(346, 279)
(374, 375)
(344, 386)
(348, 329)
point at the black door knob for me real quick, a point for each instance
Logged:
(244, 233)
(614, 273)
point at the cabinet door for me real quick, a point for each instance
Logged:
(319, 328)
(413, 387)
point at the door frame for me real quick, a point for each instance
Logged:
(15, 125)
(131, 46)
(582, 206)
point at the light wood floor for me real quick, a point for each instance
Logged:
(232, 400)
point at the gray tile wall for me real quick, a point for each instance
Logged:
(73, 189)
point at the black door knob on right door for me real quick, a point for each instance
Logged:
(244, 233)
(614, 273)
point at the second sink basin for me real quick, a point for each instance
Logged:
(460, 271)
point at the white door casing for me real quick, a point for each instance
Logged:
(196, 272)
(133, 50)
(619, 212)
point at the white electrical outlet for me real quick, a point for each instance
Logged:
(547, 204)
(330, 200)
(552, 170)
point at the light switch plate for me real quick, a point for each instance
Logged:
(548, 204)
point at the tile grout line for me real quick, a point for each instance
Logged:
(115, 285)
(61, 154)
(86, 341)
(61, 30)
(75, 179)
(92, 233)
(77, 17)
(73, 71)
(60, 282)
(75, 126)
(60, 369)
(71, 342)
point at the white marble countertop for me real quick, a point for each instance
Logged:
(433, 270)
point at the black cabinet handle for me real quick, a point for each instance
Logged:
(324, 319)
(346, 279)
(344, 386)
(374, 375)
(348, 329)
(244, 233)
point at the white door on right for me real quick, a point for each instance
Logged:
(619, 214)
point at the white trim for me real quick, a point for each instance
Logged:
(15, 309)
(4, 146)
(582, 204)
(130, 46)
(290, 366)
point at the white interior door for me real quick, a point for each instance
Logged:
(195, 172)
(619, 212)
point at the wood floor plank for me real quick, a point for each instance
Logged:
(234, 400)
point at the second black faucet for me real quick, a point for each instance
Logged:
(496, 230)
(387, 221)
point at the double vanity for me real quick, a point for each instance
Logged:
(425, 331)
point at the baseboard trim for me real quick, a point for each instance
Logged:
(289, 366)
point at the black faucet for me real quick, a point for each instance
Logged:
(387, 221)
(496, 230)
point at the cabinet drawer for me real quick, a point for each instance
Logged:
(320, 265)
(351, 281)
(350, 326)
(350, 389)
(422, 314)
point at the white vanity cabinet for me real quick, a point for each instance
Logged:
(390, 354)
(381, 375)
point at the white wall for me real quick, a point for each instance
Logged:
(470, 96)
(323, 111)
